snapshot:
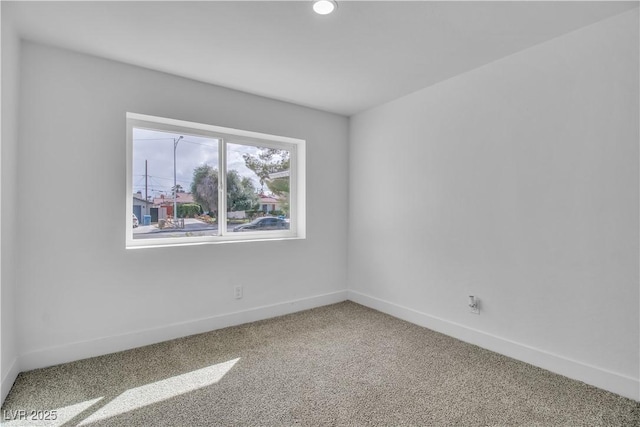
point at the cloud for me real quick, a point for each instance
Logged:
(156, 147)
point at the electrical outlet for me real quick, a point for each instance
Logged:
(237, 291)
(474, 304)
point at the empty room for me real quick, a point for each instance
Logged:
(320, 213)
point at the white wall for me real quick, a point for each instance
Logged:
(10, 80)
(81, 293)
(516, 182)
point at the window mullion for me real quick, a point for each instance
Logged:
(222, 187)
(293, 200)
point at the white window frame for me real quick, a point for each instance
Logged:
(297, 183)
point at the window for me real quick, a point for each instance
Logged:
(191, 183)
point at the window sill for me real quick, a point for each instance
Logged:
(194, 241)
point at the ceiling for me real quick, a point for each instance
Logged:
(364, 54)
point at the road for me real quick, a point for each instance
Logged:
(192, 227)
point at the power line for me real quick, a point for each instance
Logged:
(161, 177)
(200, 143)
(159, 190)
(184, 140)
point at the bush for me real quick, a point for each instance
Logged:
(189, 210)
(207, 219)
(251, 213)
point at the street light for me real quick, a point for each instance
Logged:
(175, 184)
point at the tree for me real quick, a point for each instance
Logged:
(204, 187)
(177, 189)
(267, 162)
(241, 194)
(279, 186)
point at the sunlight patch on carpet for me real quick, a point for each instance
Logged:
(158, 391)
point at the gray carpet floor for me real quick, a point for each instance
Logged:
(342, 364)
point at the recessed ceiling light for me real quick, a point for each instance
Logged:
(324, 7)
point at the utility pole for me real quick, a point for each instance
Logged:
(175, 186)
(146, 186)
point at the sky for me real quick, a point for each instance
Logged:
(156, 147)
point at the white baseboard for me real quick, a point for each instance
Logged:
(601, 378)
(598, 377)
(85, 349)
(8, 379)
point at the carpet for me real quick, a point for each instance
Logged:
(342, 364)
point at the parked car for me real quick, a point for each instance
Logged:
(264, 223)
(135, 221)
